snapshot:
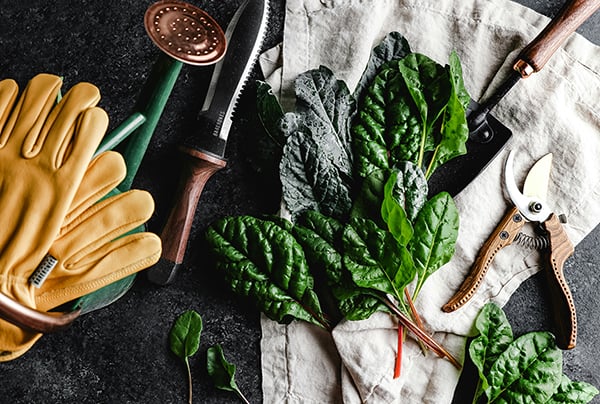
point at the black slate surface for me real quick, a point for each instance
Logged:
(120, 354)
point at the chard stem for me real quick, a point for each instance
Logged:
(415, 315)
(398, 364)
(189, 372)
(241, 396)
(419, 333)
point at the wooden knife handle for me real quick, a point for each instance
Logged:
(565, 316)
(535, 55)
(198, 168)
(503, 235)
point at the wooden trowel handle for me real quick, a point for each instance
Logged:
(198, 168)
(535, 55)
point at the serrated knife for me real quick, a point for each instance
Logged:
(204, 151)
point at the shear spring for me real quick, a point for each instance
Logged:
(539, 242)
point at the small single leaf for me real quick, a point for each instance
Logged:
(184, 337)
(221, 372)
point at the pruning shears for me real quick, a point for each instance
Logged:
(529, 206)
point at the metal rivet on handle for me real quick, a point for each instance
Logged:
(185, 32)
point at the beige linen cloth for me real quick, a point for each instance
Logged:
(556, 110)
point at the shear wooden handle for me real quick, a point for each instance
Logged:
(565, 316)
(535, 55)
(33, 320)
(504, 235)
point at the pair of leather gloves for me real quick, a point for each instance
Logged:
(53, 211)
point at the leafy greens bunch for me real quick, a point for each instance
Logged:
(353, 169)
(526, 369)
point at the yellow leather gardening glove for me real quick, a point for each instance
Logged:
(44, 152)
(86, 256)
(90, 253)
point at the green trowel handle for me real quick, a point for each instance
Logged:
(151, 102)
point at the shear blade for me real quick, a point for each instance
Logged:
(536, 183)
(532, 202)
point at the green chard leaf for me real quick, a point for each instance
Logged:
(435, 234)
(263, 261)
(529, 370)
(454, 130)
(456, 76)
(321, 238)
(573, 392)
(316, 166)
(394, 214)
(429, 87)
(393, 46)
(326, 107)
(405, 194)
(311, 182)
(374, 258)
(367, 203)
(270, 113)
(184, 337)
(412, 111)
(387, 127)
(222, 372)
(495, 335)
(525, 370)
(410, 189)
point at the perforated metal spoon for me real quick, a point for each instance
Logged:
(185, 33)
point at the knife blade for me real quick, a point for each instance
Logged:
(487, 135)
(204, 151)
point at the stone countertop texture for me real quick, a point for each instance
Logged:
(120, 354)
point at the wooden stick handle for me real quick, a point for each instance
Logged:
(565, 316)
(503, 235)
(198, 169)
(535, 55)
